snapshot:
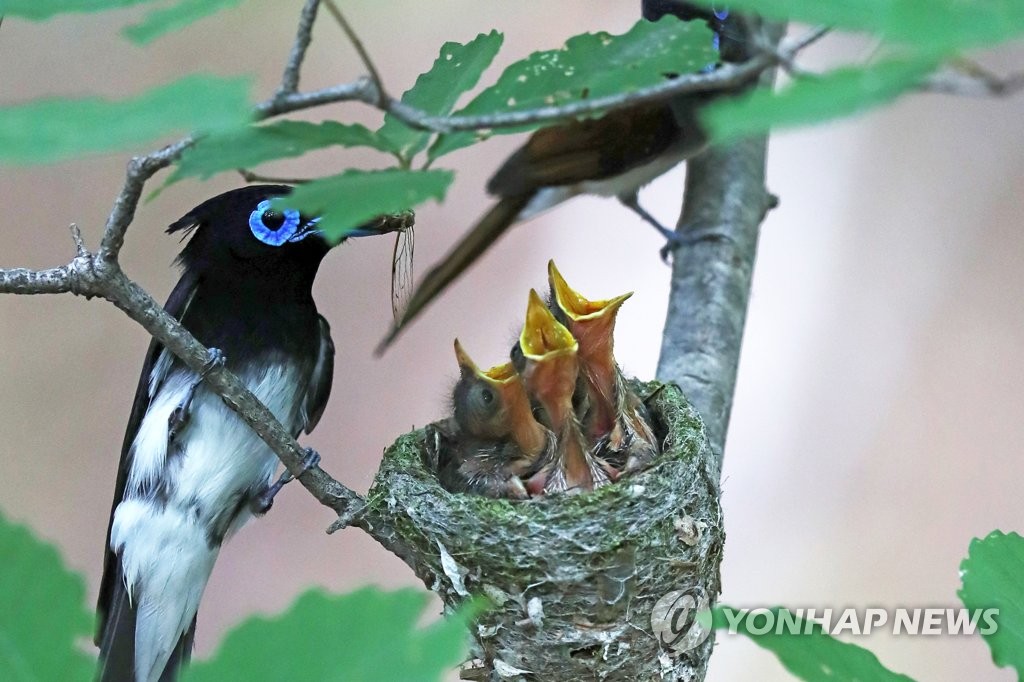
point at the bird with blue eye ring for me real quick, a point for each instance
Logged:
(191, 473)
(274, 226)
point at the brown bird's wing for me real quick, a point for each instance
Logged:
(563, 156)
(591, 149)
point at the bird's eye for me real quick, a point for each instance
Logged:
(273, 226)
(486, 396)
(272, 219)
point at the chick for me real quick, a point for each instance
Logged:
(550, 371)
(617, 424)
(493, 438)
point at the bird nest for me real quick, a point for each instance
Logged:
(573, 579)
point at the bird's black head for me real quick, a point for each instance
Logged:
(730, 34)
(242, 232)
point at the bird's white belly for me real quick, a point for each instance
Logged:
(623, 184)
(182, 501)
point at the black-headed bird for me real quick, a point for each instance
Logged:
(616, 424)
(550, 372)
(495, 439)
(192, 472)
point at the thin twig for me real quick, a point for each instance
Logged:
(249, 176)
(967, 79)
(76, 236)
(303, 36)
(353, 37)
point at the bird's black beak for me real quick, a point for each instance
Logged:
(385, 224)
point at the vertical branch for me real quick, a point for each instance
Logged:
(725, 201)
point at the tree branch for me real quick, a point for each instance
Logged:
(724, 204)
(303, 36)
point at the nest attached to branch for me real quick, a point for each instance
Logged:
(573, 578)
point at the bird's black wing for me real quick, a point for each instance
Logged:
(320, 380)
(176, 305)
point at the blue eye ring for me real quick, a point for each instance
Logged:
(721, 14)
(273, 237)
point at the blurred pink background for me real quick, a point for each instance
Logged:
(879, 410)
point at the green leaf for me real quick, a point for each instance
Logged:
(838, 93)
(350, 199)
(991, 576)
(168, 19)
(48, 130)
(250, 146)
(935, 25)
(42, 612)
(364, 635)
(590, 65)
(38, 10)
(815, 656)
(456, 70)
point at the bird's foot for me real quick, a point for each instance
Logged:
(262, 502)
(214, 358)
(672, 240)
(180, 414)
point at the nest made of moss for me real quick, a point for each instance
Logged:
(573, 578)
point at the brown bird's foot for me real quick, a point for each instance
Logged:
(672, 240)
(262, 502)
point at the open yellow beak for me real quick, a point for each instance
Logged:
(542, 334)
(575, 306)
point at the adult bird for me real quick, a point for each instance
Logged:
(614, 156)
(192, 472)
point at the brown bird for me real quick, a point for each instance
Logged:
(550, 371)
(496, 439)
(614, 155)
(617, 423)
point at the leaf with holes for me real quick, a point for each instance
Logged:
(456, 70)
(590, 65)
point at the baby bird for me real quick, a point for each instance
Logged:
(496, 438)
(617, 423)
(550, 371)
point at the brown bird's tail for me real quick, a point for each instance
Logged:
(485, 233)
